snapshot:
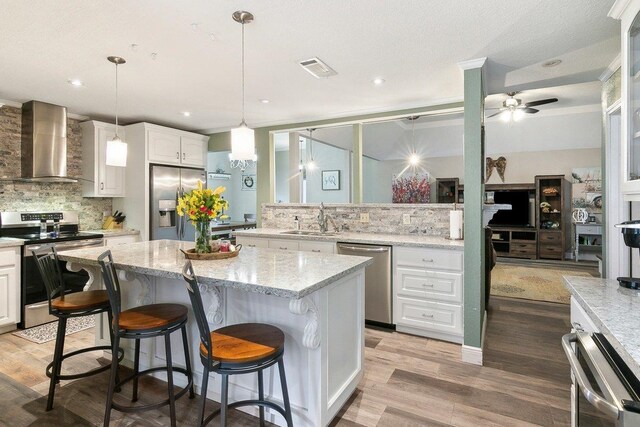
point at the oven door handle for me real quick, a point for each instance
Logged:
(581, 378)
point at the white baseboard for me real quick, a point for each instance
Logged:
(472, 354)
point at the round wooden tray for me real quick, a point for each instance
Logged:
(191, 254)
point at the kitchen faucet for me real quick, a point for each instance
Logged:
(322, 219)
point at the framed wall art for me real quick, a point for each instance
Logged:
(331, 180)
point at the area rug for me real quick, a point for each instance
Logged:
(534, 283)
(47, 332)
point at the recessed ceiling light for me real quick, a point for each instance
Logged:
(552, 63)
(212, 36)
(378, 81)
(194, 26)
(75, 82)
(265, 101)
(133, 47)
(186, 113)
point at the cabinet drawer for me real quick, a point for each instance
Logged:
(431, 259)
(429, 285)
(8, 256)
(546, 236)
(430, 316)
(551, 251)
(320, 247)
(252, 242)
(285, 245)
(521, 246)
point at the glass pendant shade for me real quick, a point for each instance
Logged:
(116, 152)
(243, 144)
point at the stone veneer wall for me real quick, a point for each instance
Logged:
(427, 219)
(35, 196)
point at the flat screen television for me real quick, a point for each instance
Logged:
(518, 216)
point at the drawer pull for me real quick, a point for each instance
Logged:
(284, 248)
(428, 285)
(315, 250)
(252, 246)
(427, 315)
(427, 260)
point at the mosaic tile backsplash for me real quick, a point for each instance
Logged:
(32, 196)
(425, 219)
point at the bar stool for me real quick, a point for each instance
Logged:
(147, 321)
(237, 349)
(66, 306)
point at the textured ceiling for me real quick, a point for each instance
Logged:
(414, 45)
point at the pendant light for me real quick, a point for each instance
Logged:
(116, 148)
(243, 143)
(311, 164)
(414, 158)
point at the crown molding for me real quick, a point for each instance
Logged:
(472, 63)
(618, 8)
(615, 64)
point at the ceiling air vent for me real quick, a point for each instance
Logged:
(317, 68)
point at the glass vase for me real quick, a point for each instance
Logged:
(203, 237)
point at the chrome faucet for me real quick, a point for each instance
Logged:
(322, 219)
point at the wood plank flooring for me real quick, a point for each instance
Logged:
(409, 381)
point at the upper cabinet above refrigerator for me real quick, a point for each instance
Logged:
(174, 147)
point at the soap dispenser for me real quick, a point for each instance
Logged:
(296, 223)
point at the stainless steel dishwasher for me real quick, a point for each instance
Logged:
(377, 281)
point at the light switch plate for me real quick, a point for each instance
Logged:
(364, 217)
(406, 219)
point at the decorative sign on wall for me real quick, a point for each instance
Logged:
(249, 182)
(411, 188)
(331, 180)
(586, 190)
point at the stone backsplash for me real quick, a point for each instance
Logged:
(35, 196)
(426, 219)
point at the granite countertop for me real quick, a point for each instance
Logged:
(114, 232)
(368, 238)
(8, 242)
(614, 310)
(288, 274)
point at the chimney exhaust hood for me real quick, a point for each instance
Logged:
(44, 143)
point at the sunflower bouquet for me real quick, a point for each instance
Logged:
(202, 205)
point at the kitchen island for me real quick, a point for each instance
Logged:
(316, 299)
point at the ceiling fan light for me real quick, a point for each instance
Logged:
(518, 115)
(116, 152)
(506, 116)
(243, 143)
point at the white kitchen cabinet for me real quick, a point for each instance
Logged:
(284, 245)
(174, 147)
(319, 247)
(100, 180)
(251, 242)
(627, 11)
(428, 292)
(9, 288)
(121, 240)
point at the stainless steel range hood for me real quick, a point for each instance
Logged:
(44, 143)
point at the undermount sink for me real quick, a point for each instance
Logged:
(309, 233)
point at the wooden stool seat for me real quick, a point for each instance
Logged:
(86, 300)
(246, 342)
(152, 316)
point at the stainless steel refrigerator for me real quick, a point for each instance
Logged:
(168, 183)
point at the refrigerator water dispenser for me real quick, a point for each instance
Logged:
(167, 212)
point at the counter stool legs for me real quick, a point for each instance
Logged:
(203, 392)
(285, 393)
(224, 397)
(261, 396)
(57, 361)
(172, 399)
(136, 370)
(112, 381)
(185, 344)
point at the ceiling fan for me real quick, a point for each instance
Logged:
(513, 109)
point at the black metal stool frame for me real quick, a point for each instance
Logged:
(113, 288)
(225, 370)
(48, 265)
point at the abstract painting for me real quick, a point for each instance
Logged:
(411, 188)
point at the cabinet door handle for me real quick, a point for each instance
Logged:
(427, 315)
(102, 185)
(426, 260)
(183, 156)
(178, 155)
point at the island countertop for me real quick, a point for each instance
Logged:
(413, 240)
(614, 310)
(287, 274)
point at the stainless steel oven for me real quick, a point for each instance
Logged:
(35, 303)
(604, 391)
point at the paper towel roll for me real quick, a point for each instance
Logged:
(455, 225)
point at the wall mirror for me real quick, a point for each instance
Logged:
(313, 165)
(413, 159)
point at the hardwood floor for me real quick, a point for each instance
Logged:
(409, 381)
